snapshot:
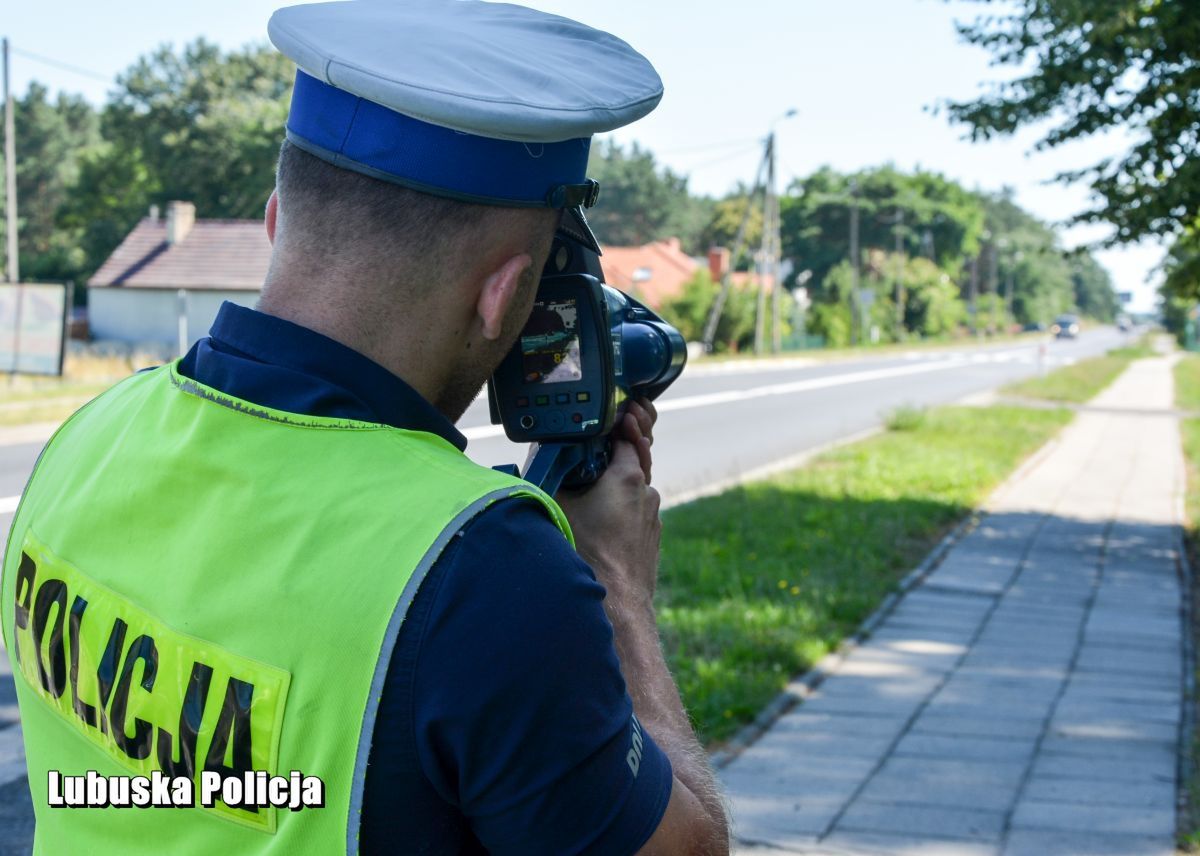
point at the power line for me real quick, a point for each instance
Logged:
(722, 158)
(704, 147)
(63, 66)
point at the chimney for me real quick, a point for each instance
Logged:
(181, 216)
(154, 213)
(718, 262)
(674, 244)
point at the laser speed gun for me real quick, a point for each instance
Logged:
(586, 350)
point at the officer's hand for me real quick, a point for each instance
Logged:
(616, 525)
(637, 426)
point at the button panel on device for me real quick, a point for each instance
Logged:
(542, 400)
(527, 421)
(563, 398)
(555, 420)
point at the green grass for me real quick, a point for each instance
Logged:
(1081, 381)
(1185, 396)
(759, 582)
(1187, 382)
(52, 389)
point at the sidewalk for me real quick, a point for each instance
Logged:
(1026, 698)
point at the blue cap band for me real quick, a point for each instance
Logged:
(357, 134)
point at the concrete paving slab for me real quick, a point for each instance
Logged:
(872, 844)
(1025, 698)
(968, 748)
(1040, 842)
(1100, 793)
(1078, 817)
(939, 821)
(1059, 766)
(931, 792)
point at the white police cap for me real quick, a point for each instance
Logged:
(485, 102)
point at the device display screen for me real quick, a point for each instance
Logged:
(550, 343)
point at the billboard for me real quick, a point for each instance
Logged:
(33, 325)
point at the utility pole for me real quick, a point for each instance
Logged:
(766, 252)
(973, 289)
(765, 165)
(776, 252)
(10, 178)
(994, 285)
(714, 315)
(856, 320)
(898, 233)
(1008, 297)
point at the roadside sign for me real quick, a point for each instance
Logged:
(33, 326)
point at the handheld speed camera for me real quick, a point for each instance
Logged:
(586, 349)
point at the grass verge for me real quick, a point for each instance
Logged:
(1081, 381)
(1187, 383)
(759, 582)
(1187, 387)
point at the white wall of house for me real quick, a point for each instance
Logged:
(144, 315)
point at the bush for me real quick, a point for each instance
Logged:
(689, 312)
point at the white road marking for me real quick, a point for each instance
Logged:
(713, 398)
(8, 504)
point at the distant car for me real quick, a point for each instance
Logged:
(1124, 324)
(1065, 326)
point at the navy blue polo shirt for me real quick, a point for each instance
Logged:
(505, 724)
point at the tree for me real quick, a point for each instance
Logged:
(639, 202)
(933, 307)
(52, 137)
(1092, 287)
(1095, 66)
(208, 124)
(199, 125)
(689, 312)
(1182, 268)
(1046, 280)
(727, 215)
(938, 218)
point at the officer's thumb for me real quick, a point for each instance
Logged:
(624, 465)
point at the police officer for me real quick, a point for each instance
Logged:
(272, 555)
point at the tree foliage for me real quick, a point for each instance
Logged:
(54, 135)
(199, 124)
(689, 312)
(640, 202)
(1094, 66)
(934, 217)
(206, 123)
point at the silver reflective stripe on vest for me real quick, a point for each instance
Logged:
(366, 736)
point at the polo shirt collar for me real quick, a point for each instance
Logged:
(275, 341)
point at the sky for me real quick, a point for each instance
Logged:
(864, 75)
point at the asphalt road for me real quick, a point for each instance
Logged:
(717, 423)
(721, 421)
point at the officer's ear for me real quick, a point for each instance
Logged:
(496, 297)
(270, 215)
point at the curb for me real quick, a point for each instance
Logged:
(803, 686)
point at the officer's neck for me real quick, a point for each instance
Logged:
(416, 346)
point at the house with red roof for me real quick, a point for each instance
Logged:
(653, 273)
(657, 272)
(167, 279)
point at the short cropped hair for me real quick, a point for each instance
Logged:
(339, 208)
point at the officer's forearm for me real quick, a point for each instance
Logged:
(658, 706)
